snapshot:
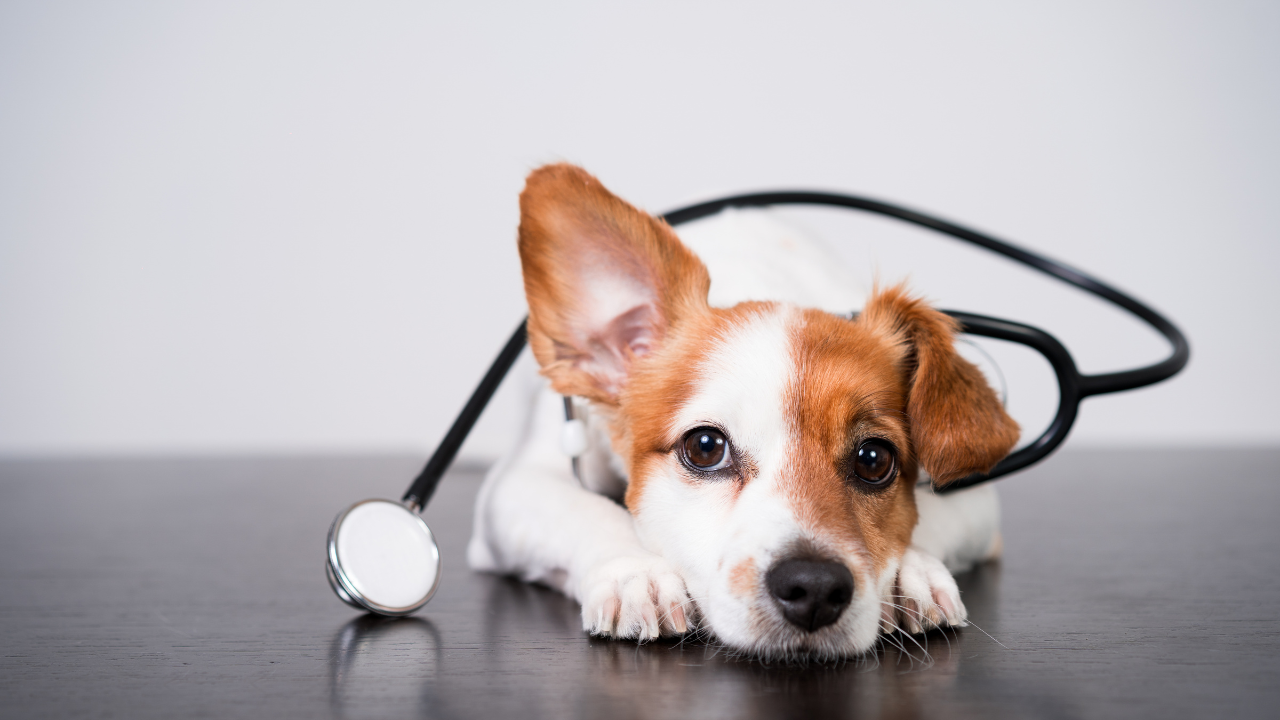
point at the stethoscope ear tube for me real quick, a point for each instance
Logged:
(1089, 384)
(425, 484)
(1073, 387)
(1069, 395)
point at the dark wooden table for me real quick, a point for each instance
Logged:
(1140, 583)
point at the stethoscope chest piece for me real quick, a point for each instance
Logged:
(383, 558)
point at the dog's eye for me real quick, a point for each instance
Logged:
(706, 449)
(874, 463)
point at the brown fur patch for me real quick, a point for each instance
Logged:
(572, 228)
(958, 425)
(663, 382)
(893, 374)
(744, 578)
(848, 389)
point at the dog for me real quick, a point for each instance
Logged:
(759, 470)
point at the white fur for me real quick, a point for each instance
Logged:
(926, 595)
(961, 528)
(534, 519)
(752, 255)
(703, 529)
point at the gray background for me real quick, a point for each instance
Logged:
(275, 227)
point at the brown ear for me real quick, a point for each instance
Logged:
(958, 425)
(605, 282)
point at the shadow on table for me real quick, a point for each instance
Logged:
(534, 662)
(381, 666)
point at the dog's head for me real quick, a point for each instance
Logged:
(772, 451)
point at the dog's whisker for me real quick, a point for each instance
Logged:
(920, 613)
(984, 632)
(893, 640)
(903, 651)
(911, 637)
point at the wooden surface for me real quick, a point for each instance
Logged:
(1139, 583)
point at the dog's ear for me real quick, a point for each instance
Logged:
(605, 282)
(958, 425)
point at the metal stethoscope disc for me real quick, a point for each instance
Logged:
(383, 558)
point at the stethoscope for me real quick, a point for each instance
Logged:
(384, 559)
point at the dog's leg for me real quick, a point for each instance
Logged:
(954, 532)
(961, 528)
(535, 520)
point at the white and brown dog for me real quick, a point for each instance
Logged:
(767, 452)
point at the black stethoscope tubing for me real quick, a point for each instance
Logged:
(1072, 385)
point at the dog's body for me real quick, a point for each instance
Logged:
(766, 447)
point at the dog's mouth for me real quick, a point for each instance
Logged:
(804, 610)
(780, 641)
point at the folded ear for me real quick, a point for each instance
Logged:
(958, 425)
(605, 282)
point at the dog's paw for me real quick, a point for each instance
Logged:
(634, 597)
(924, 597)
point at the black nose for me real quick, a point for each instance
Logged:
(810, 593)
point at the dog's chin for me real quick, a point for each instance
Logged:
(788, 646)
(761, 633)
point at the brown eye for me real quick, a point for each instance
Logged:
(874, 463)
(706, 449)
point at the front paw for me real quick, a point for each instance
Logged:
(634, 597)
(924, 597)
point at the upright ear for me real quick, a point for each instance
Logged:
(605, 281)
(958, 425)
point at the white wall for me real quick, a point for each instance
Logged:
(269, 227)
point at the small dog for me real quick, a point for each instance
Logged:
(754, 465)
